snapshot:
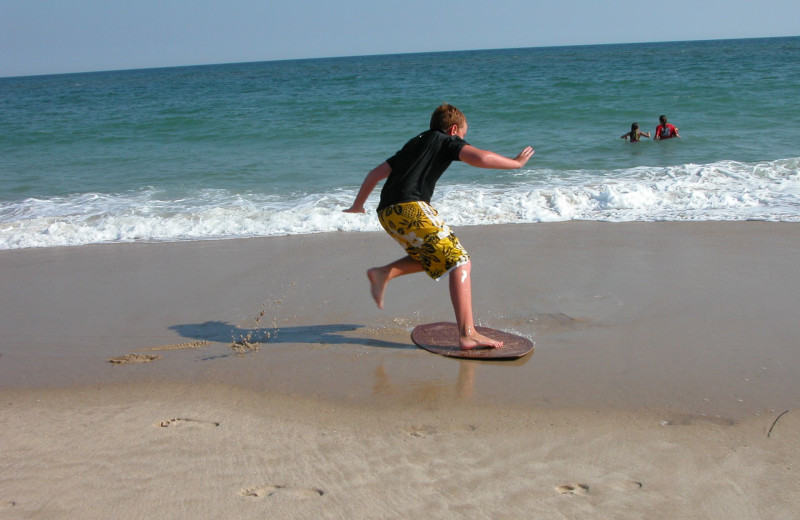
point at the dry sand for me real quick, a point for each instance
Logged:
(262, 382)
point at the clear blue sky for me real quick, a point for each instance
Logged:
(57, 36)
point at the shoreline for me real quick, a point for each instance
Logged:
(695, 317)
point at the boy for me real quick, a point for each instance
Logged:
(405, 213)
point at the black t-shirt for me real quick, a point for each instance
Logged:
(417, 167)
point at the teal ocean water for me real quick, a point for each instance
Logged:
(275, 148)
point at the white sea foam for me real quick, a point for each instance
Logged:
(724, 190)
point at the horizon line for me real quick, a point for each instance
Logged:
(347, 56)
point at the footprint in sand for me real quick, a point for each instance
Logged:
(626, 485)
(583, 489)
(423, 431)
(573, 489)
(281, 490)
(183, 423)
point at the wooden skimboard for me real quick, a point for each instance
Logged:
(442, 338)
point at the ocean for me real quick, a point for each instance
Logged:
(277, 148)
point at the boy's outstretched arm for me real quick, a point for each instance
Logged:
(372, 179)
(486, 159)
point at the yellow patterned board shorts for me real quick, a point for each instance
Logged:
(425, 236)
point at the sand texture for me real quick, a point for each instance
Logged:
(257, 379)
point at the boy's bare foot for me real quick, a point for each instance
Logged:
(476, 340)
(377, 281)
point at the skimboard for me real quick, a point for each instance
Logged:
(442, 338)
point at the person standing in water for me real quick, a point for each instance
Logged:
(635, 134)
(665, 130)
(406, 214)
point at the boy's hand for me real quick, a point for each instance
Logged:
(354, 209)
(524, 155)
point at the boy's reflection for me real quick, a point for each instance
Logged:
(464, 387)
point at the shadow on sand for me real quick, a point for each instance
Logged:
(218, 331)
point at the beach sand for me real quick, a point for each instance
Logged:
(257, 379)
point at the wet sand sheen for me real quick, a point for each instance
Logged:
(696, 317)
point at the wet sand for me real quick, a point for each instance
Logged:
(256, 377)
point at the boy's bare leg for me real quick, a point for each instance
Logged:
(461, 296)
(380, 276)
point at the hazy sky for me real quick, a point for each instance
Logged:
(55, 36)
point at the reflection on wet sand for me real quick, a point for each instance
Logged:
(428, 391)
